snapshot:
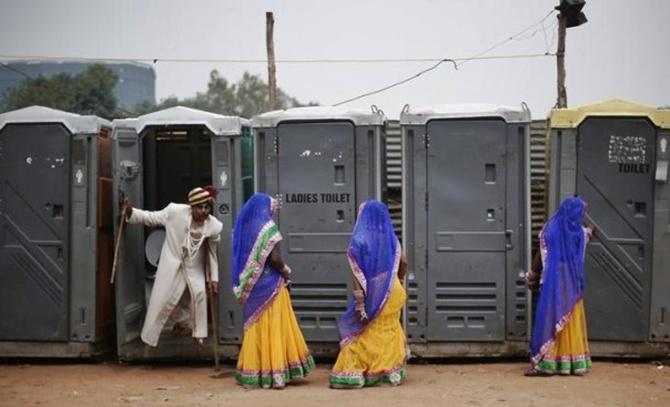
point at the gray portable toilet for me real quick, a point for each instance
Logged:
(157, 158)
(615, 155)
(321, 162)
(56, 234)
(466, 228)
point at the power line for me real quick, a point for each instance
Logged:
(155, 60)
(416, 75)
(510, 38)
(18, 71)
(454, 61)
(460, 62)
(437, 61)
(263, 61)
(456, 65)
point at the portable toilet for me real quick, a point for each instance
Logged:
(466, 228)
(321, 163)
(56, 232)
(614, 154)
(157, 159)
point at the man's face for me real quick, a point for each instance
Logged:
(200, 212)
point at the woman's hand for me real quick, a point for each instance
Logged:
(362, 316)
(532, 280)
(286, 272)
(359, 299)
(286, 275)
(402, 269)
(590, 231)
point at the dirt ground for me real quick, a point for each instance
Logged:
(447, 384)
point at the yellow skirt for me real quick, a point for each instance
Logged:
(378, 354)
(570, 352)
(273, 349)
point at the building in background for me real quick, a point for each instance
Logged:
(137, 81)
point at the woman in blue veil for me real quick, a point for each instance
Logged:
(372, 340)
(273, 349)
(559, 343)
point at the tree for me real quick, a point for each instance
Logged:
(247, 98)
(90, 92)
(95, 91)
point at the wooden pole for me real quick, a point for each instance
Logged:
(272, 71)
(562, 95)
(118, 243)
(215, 326)
(212, 308)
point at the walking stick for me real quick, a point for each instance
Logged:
(212, 308)
(118, 243)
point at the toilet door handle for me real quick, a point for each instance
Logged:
(508, 240)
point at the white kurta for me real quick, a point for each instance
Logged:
(177, 270)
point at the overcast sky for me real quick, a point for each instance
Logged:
(623, 50)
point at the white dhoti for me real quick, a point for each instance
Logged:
(182, 315)
(165, 296)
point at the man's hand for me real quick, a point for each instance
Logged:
(214, 287)
(125, 203)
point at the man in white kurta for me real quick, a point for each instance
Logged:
(189, 251)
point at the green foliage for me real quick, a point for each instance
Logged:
(95, 91)
(247, 98)
(90, 92)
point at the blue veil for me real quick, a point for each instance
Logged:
(255, 283)
(374, 256)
